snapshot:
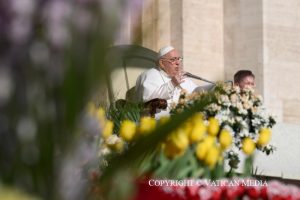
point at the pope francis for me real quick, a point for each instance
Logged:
(166, 80)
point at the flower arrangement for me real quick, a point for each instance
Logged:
(233, 120)
(239, 113)
(194, 146)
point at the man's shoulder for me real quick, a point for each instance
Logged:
(150, 72)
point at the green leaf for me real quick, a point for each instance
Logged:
(248, 166)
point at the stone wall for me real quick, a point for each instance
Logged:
(281, 58)
(243, 38)
(203, 46)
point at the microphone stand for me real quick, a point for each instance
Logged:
(198, 77)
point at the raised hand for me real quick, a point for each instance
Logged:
(178, 78)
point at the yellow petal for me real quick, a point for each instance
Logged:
(108, 129)
(127, 130)
(225, 139)
(212, 156)
(248, 146)
(147, 124)
(264, 136)
(213, 126)
(197, 132)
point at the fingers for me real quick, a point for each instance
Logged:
(182, 75)
(177, 79)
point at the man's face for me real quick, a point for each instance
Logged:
(247, 82)
(171, 63)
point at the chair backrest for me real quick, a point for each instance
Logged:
(128, 56)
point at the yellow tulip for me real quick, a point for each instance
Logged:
(176, 144)
(264, 136)
(118, 146)
(108, 129)
(127, 130)
(213, 126)
(147, 124)
(196, 118)
(171, 150)
(180, 139)
(248, 146)
(210, 141)
(100, 114)
(212, 156)
(187, 127)
(163, 120)
(203, 147)
(225, 139)
(197, 132)
(201, 150)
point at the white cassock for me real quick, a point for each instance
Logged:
(155, 83)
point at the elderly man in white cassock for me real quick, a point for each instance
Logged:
(165, 81)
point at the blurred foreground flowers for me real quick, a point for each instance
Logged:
(52, 61)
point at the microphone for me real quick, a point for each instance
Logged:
(198, 77)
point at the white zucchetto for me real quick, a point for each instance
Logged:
(163, 51)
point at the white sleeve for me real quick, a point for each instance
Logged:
(160, 90)
(150, 85)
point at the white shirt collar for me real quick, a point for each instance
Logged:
(163, 72)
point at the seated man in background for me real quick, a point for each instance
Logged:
(166, 80)
(244, 79)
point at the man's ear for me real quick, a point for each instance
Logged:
(160, 64)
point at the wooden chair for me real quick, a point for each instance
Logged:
(124, 57)
(127, 56)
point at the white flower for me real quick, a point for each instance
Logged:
(224, 100)
(221, 118)
(256, 122)
(213, 107)
(241, 109)
(236, 89)
(238, 119)
(244, 133)
(233, 98)
(259, 97)
(244, 98)
(113, 139)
